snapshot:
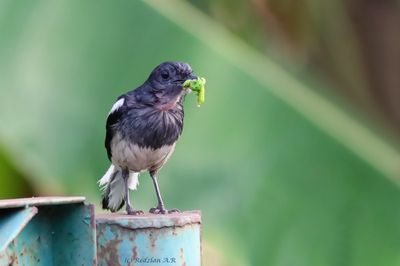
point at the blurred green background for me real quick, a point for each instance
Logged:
(294, 158)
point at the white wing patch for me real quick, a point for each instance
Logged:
(117, 105)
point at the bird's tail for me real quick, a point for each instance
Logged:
(133, 180)
(113, 189)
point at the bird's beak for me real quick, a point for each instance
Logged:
(181, 81)
(188, 90)
(191, 76)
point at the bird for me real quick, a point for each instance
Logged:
(142, 129)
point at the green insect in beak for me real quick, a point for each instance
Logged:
(196, 85)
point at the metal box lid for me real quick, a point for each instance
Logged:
(38, 201)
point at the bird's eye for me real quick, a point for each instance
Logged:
(165, 74)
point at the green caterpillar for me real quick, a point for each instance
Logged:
(196, 85)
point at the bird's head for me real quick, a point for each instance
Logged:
(165, 83)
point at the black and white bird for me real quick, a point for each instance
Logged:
(142, 129)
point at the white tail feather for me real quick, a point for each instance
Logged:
(113, 187)
(116, 192)
(133, 180)
(106, 178)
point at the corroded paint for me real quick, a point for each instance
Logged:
(60, 231)
(12, 223)
(149, 220)
(172, 239)
(39, 201)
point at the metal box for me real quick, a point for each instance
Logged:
(47, 231)
(64, 231)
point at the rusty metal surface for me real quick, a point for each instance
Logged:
(149, 220)
(12, 223)
(172, 239)
(38, 201)
(60, 233)
(74, 236)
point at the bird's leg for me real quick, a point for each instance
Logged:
(160, 209)
(160, 206)
(128, 206)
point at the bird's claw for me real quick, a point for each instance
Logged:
(158, 210)
(174, 211)
(134, 212)
(162, 210)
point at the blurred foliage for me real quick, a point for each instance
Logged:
(12, 182)
(353, 44)
(275, 188)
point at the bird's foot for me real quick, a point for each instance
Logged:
(161, 210)
(131, 211)
(135, 212)
(174, 211)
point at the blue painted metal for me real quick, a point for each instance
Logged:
(12, 223)
(172, 239)
(47, 231)
(62, 231)
(39, 201)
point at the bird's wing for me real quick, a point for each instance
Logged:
(113, 118)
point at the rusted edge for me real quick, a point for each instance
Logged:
(38, 201)
(94, 230)
(150, 220)
(28, 214)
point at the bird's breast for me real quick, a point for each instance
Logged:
(150, 127)
(127, 154)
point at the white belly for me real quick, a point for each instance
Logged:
(137, 159)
